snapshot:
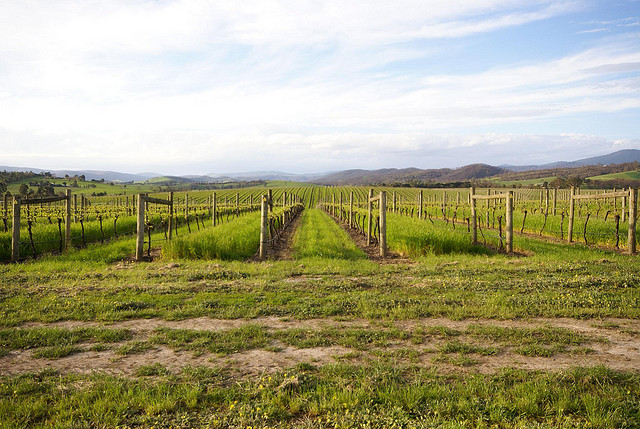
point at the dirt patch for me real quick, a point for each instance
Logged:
(281, 249)
(615, 344)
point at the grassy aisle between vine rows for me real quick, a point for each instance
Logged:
(320, 237)
(449, 340)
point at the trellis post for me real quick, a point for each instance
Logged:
(383, 224)
(15, 232)
(420, 204)
(264, 226)
(572, 206)
(474, 220)
(214, 209)
(509, 208)
(67, 221)
(369, 220)
(140, 223)
(170, 226)
(633, 205)
(351, 210)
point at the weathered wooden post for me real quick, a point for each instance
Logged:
(15, 231)
(420, 204)
(270, 200)
(351, 210)
(214, 209)
(633, 206)
(572, 206)
(6, 211)
(340, 209)
(284, 199)
(555, 200)
(140, 232)
(75, 208)
(67, 221)
(474, 219)
(369, 219)
(333, 205)
(264, 226)
(546, 201)
(394, 201)
(383, 224)
(624, 209)
(186, 205)
(488, 207)
(509, 214)
(170, 223)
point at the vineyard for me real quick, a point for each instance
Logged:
(318, 307)
(600, 218)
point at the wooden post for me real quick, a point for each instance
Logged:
(284, 199)
(15, 231)
(6, 210)
(270, 200)
(186, 205)
(624, 209)
(420, 205)
(170, 226)
(351, 210)
(546, 201)
(633, 205)
(509, 206)
(474, 220)
(394, 201)
(572, 206)
(214, 209)
(383, 224)
(488, 206)
(369, 220)
(67, 221)
(333, 205)
(340, 209)
(555, 200)
(140, 235)
(264, 226)
(237, 204)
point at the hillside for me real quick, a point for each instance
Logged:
(410, 175)
(618, 157)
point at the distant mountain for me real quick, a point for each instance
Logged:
(408, 175)
(266, 175)
(619, 157)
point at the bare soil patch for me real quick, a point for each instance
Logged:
(617, 347)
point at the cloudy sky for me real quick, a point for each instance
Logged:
(196, 87)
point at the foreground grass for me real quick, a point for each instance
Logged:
(320, 237)
(376, 394)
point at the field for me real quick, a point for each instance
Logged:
(442, 333)
(633, 175)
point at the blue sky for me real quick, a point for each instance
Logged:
(196, 87)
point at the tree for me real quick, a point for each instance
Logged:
(24, 190)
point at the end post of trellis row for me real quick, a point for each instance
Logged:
(15, 231)
(474, 218)
(140, 235)
(509, 214)
(383, 224)
(633, 207)
(264, 226)
(369, 217)
(67, 221)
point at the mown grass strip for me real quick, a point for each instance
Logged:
(320, 237)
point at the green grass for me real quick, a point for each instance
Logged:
(235, 240)
(320, 237)
(634, 175)
(377, 395)
(414, 237)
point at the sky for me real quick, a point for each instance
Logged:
(307, 86)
